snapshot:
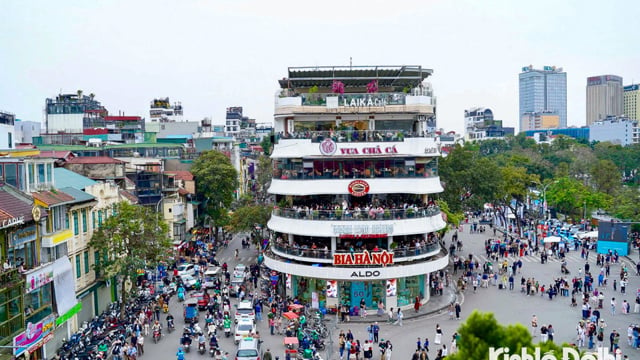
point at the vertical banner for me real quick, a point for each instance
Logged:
(288, 281)
(392, 289)
(315, 303)
(332, 289)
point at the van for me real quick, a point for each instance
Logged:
(249, 349)
(210, 276)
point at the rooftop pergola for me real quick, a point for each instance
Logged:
(388, 76)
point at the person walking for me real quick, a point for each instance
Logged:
(416, 304)
(376, 332)
(438, 338)
(399, 317)
(141, 345)
(458, 309)
(267, 355)
(390, 314)
(534, 325)
(613, 306)
(341, 344)
(370, 332)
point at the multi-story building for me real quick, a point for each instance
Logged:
(26, 130)
(353, 177)
(604, 97)
(542, 91)
(99, 128)
(66, 112)
(7, 130)
(480, 125)
(632, 101)
(161, 110)
(539, 120)
(576, 133)
(617, 130)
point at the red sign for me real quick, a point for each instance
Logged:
(358, 188)
(364, 258)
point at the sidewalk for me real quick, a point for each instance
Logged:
(436, 304)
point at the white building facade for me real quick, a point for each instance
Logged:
(620, 131)
(354, 170)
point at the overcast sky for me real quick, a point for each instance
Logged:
(218, 53)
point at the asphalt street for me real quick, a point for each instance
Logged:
(509, 307)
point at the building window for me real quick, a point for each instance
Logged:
(99, 217)
(78, 269)
(86, 262)
(93, 219)
(84, 220)
(41, 173)
(76, 229)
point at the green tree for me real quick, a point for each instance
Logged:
(572, 198)
(217, 181)
(481, 332)
(245, 218)
(605, 176)
(514, 188)
(266, 145)
(264, 176)
(625, 204)
(134, 238)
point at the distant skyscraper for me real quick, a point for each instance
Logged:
(542, 91)
(632, 101)
(604, 97)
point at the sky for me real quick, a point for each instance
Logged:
(214, 54)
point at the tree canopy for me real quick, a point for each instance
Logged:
(134, 238)
(217, 181)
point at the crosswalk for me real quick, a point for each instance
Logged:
(246, 260)
(571, 257)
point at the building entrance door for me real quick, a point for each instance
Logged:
(361, 290)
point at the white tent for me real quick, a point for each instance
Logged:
(552, 239)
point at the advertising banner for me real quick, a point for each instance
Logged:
(34, 336)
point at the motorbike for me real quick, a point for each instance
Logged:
(227, 332)
(187, 347)
(213, 350)
(156, 336)
(211, 331)
(563, 269)
(202, 348)
(170, 325)
(180, 295)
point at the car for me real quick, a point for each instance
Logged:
(239, 271)
(245, 310)
(249, 349)
(210, 276)
(186, 269)
(203, 300)
(235, 285)
(188, 281)
(245, 328)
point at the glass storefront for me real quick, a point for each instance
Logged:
(352, 292)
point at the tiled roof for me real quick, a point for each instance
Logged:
(55, 197)
(14, 204)
(72, 179)
(57, 154)
(180, 174)
(78, 195)
(94, 160)
(129, 196)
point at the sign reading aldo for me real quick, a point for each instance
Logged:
(364, 258)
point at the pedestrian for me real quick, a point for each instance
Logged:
(425, 344)
(146, 327)
(258, 310)
(370, 332)
(399, 317)
(423, 355)
(390, 314)
(156, 310)
(444, 350)
(451, 309)
(416, 304)
(267, 355)
(132, 352)
(534, 325)
(416, 355)
(387, 352)
(458, 309)
(418, 345)
(376, 331)
(341, 344)
(141, 345)
(613, 306)
(438, 338)
(368, 350)
(272, 325)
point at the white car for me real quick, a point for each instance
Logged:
(245, 328)
(210, 276)
(244, 311)
(188, 281)
(186, 269)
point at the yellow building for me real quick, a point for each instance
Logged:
(632, 101)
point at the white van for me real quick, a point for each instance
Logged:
(210, 276)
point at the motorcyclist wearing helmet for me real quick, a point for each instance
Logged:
(157, 327)
(180, 354)
(213, 342)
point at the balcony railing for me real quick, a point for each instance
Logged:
(357, 100)
(352, 215)
(353, 135)
(310, 174)
(327, 255)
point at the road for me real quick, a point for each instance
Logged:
(509, 307)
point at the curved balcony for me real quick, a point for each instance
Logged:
(351, 215)
(326, 256)
(302, 187)
(328, 227)
(319, 270)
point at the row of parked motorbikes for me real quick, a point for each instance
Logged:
(96, 339)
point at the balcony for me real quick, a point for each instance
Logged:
(353, 100)
(387, 214)
(406, 185)
(341, 136)
(326, 256)
(333, 227)
(57, 238)
(319, 270)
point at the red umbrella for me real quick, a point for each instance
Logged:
(290, 315)
(295, 306)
